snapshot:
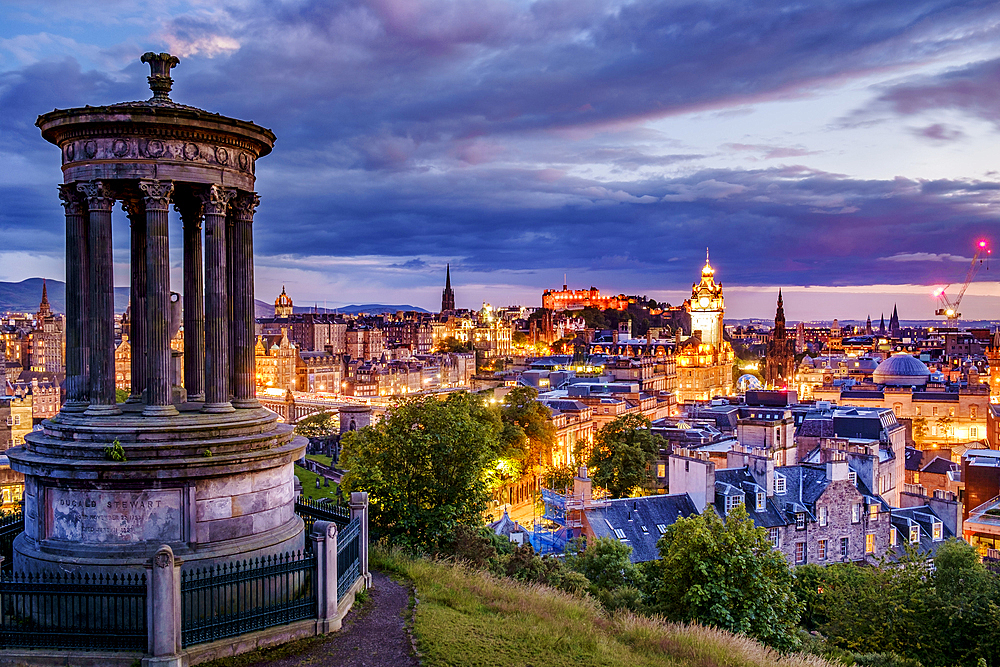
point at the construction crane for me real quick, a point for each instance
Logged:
(950, 308)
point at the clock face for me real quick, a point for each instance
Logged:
(703, 301)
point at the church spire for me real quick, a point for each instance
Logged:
(779, 318)
(448, 296)
(44, 309)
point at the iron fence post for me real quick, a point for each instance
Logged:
(359, 510)
(324, 537)
(163, 604)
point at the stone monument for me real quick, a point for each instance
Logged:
(206, 470)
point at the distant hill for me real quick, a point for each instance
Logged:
(267, 309)
(23, 297)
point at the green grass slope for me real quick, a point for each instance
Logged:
(468, 618)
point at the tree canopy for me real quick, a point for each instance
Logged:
(319, 425)
(623, 450)
(425, 467)
(725, 574)
(452, 344)
(528, 433)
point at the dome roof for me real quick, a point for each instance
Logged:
(902, 370)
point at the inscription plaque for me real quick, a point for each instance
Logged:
(113, 517)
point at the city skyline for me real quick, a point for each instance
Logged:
(851, 155)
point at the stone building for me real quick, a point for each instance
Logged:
(276, 360)
(283, 306)
(320, 372)
(705, 360)
(448, 295)
(779, 368)
(47, 338)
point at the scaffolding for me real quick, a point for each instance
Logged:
(561, 522)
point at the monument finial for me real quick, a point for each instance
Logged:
(159, 79)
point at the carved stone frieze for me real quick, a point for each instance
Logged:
(142, 148)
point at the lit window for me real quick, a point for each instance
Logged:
(937, 530)
(779, 483)
(821, 549)
(973, 431)
(893, 537)
(661, 470)
(873, 511)
(870, 543)
(761, 499)
(800, 552)
(914, 534)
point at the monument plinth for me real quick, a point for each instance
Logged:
(208, 472)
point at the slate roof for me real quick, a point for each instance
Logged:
(736, 480)
(816, 427)
(939, 466)
(913, 458)
(903, 518)
(631, 515)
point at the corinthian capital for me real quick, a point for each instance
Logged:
(216, 200)
(71, 199)
(157, 194)
(134, 208)
(98, 197)
(244, 206)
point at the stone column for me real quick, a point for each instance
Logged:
(324, 540)
(159, 367)
(244, 382)
(77, 298)
(102, 300)
(215, 203)
(229, 303)
(136, 211)
(190, 209)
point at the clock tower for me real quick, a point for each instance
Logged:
(707, 307)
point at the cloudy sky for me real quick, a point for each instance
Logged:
(844, 151)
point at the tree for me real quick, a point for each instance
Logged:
(425, 466)
(623, 450)
(919, 429)
(725, 575)
(319, 425)
(452, 344)
(528, 431)
(607, 564)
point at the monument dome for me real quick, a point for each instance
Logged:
(901, 370)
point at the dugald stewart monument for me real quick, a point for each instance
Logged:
(191, 460)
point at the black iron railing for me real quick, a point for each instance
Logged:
(241, 597)
(312, 511)
(11, 525)
(59, 611)
(348, 556)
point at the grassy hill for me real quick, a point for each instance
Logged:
(468, 618)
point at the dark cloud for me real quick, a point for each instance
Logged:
(939, 132)
(974, 89)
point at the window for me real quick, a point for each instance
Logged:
(822, 511)
(870, 543)
(645, 531)
(687, 466)
(893, 537)
(779, 484)
(845, 550)
(821, 549)
(852, 477)
(937, 530)
(934, 411)
(800, 521)
(973, 432)
(17, 420)
(761, 499)
(800, 552)
(661, 470)
(856, 513)
(914, 534)
(917, 410)
(774, 537)
(732, 502)
(619, 533)
(873, 511)
(973, 411)
(661, 527)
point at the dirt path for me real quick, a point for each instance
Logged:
(375, 636)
